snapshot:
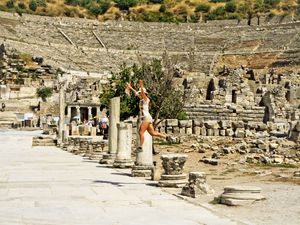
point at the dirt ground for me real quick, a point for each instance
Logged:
(281, 189)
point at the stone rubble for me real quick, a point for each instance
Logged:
(196, 186)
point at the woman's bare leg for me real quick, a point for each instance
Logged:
(143, 127)
(154, 132)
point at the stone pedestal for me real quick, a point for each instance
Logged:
(144, 160)
(173, 175)
(197, 185)
(114, 119)
(94, 131)
(86, 130)
(123, 159)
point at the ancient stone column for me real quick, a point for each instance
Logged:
(67, 131)
(144, 160)
(61, 113)
(97, 111)
(90, 116)
(69, 113)
(114, 119)
(78, 113)
(123, 159)
(173, 175)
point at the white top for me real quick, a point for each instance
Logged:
(144, 107)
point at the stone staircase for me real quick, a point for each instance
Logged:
(13, 107)
(43, 141)
(7, 118)
(219, 112)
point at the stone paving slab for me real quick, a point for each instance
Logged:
(47, 186)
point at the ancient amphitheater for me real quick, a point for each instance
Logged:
(88, 45)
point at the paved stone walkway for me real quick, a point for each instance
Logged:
(47, 186)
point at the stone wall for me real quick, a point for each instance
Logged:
(234, 128)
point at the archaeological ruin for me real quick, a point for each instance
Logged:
(242, 81)
(242, 105)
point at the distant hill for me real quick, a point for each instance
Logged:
(155, 10)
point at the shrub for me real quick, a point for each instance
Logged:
(44, 92)
(182, 116)
(41, 3)
(233, 16)
(272, 2)
(230, 7)
(104, 6)
(216, 1)
(94, 9)
(220, 11)
(126, 4)
(69, 12)
(202, 8)
(151, 16)
(73, 2)
(162, 8)
(21, 5)
(211, 16)
(32, 5)
(10, 4)
(156, 1)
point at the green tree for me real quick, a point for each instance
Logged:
(21, 5)
(158, 77)
(32, 5)
(10, 4)
(201, 10)
(260, 9)
(230, 6)
(248, 9)
(44, 92)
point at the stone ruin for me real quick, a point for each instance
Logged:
(240, 195)
(241, 84)
(20, 76)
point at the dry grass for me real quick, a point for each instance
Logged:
(177, 7)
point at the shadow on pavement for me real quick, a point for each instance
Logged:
(119, 184)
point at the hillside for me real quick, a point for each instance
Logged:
(155, 10)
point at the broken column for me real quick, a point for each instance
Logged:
(144, 160)
(123, 159)
(240, 195)
(197, 185)
(114, 119)
(173, 175)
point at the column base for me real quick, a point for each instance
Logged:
(176, 181)
(141, 171)
(123, 163)
(108, 159)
